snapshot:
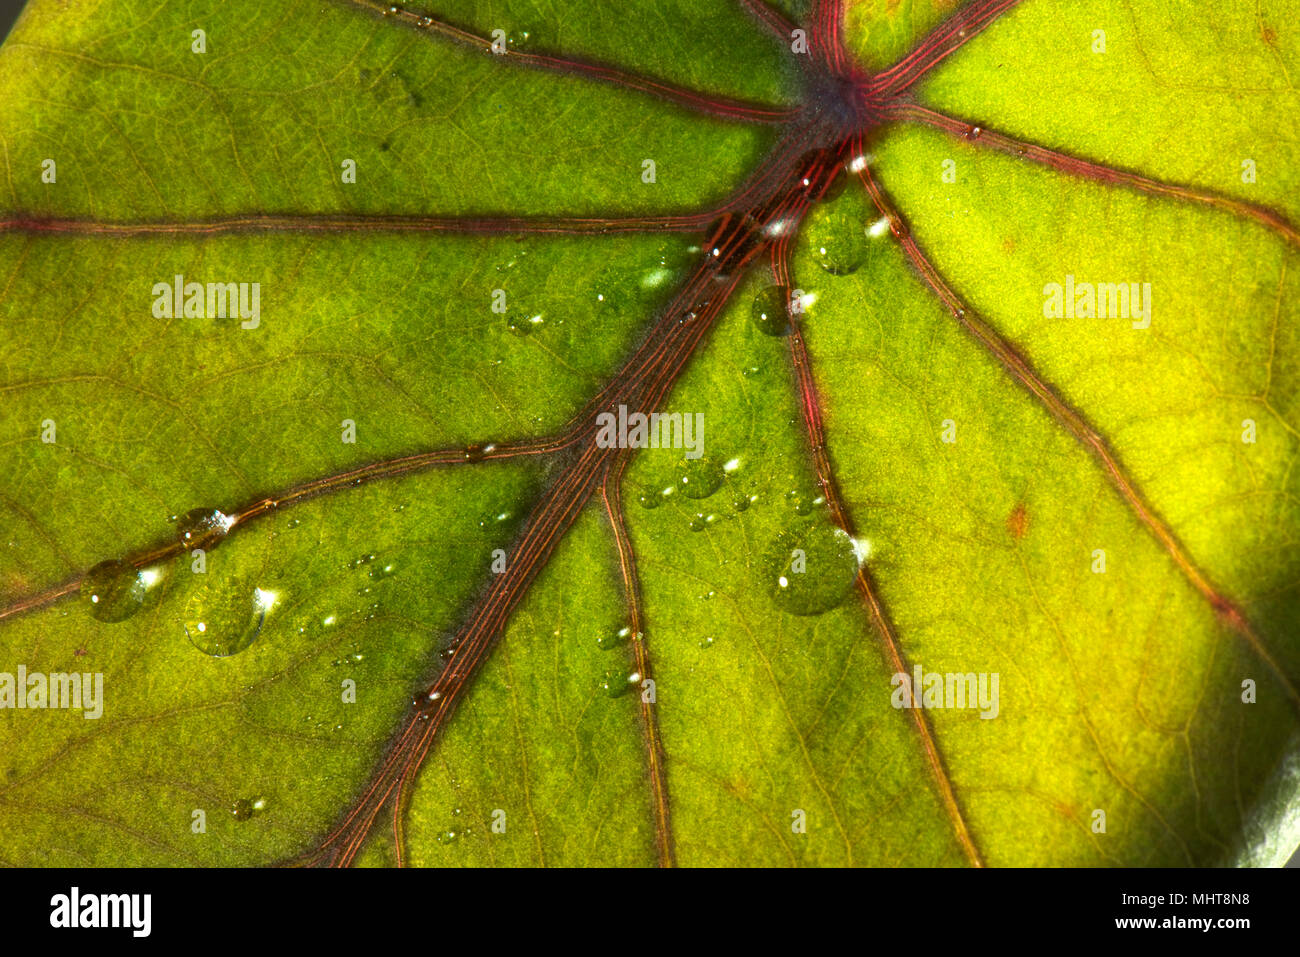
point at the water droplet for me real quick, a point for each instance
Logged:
(837, 239)
(448, 836)
(804, 502)
(728, 243)
(203, 527)
(770, 310)
(474, 453)
(521, 39)
(613, 639)
(114, 590)
(224, 618)
(812, 570)
(386, 570)
(616, 683)
(293, 523)
(824, 178)
(525, 324)
(649, 498)
(707, 642)
(242, 809)
(427, 700)
(700, 478)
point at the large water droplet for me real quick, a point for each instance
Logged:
(113, 590)
(203, 527)
(837, 239)
(770, 310)
(812, 570)
(222, 619)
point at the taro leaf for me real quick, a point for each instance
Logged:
(1100, 515)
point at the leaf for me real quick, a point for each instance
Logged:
(563, 653)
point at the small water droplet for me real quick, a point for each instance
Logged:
(203, 527)
(616, 683)
(113, 591)
(613, 638)
(728, 243)
(741, 503)
(242, 810)
(824, 177)
(801, 501)
(707, 642)
(770, 311)
(386, 570)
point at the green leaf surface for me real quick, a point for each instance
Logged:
(978, 455)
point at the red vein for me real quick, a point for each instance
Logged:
(770, 17)
(827, 18)
(1023, 372)
(1088, 169)
(945, 40)
(721, 107)
(612, 498)
(475, 225)
(810, 407)
(644, 381)
(389, 468)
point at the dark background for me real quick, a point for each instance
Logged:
(8, 14)
(9, 10)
